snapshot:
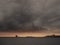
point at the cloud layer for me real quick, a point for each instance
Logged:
(29, 14)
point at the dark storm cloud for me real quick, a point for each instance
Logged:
(29, 14)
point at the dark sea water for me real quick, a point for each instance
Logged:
(29, 41)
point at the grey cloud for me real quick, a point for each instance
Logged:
(29, 14)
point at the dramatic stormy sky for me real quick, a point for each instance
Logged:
(30, 15)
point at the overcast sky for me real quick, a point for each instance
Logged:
(43, 15)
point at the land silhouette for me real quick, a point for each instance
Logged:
(47, 40)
